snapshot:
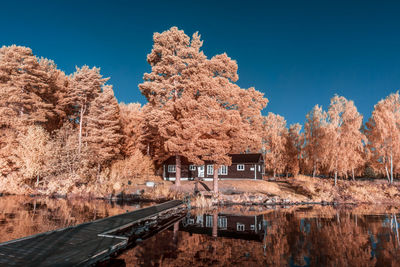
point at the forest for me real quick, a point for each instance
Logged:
(66, 133)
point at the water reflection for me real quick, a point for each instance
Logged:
(300, 236)
(23, 216)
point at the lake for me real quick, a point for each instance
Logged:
(231, 236)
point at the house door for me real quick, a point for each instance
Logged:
(200, 171)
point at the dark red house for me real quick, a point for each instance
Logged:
(244, 166)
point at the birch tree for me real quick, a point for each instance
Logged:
(345, 137)
(383, 132)
(274, 138)
(315, 139)
(293, 149)
(34, 151)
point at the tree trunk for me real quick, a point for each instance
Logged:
(215, 180)
(335, 177)
(387, 173)
(391, 167)
(178, 171)
(196, 185)
(352, 170)
(397, 229)
(37, 180)
(215, 224)
(274, 173)
(175, 234)
(314, 169)
(98, 170)
(80, 128)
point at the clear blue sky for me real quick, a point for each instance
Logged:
(299, 53)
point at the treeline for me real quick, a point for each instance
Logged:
(62, 132)
(336, 143)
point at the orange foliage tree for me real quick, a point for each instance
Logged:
(345, 138)
(85, 86)
(274, 140)
(104, 129)
(383, 132)
(293, 149)
(131, 118)
(31, 89)
(315, 139)
(195, 108)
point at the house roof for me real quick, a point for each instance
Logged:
(246, 158)
(236, 158)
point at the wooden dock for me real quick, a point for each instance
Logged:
(88, 243)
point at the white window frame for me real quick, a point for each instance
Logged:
(209, 221)
(210, 169)
(240, 167)
(259, 168)
(222, 222)
(240, 227)
(172, 168)
(192, 167)
(199, 220)
(223, 170)
(252, 227)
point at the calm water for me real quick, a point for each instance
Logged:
(302, 236)
(235, 236)
(23, 216)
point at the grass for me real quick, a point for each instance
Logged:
(202, 202)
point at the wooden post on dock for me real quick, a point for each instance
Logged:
(176, 230)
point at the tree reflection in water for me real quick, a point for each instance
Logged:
(298, 236)
(294, 236)
(23, 216)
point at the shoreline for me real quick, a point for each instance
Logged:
(301, 190)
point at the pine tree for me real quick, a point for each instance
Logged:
(194, 103)
(85, 86)
(104, 128)
(28, 87)
(131, 117)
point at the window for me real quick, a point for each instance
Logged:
(259, 168)
(223, 170)
(222, 222)
(210, 169)
(252, 227)
(199, 220)
(240, 227)
(192, 168)
(209, 221)
(240, 167)
(171, 168)
(191, 221)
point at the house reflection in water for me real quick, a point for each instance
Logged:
(250, 227)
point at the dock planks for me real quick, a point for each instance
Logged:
(79, 245)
